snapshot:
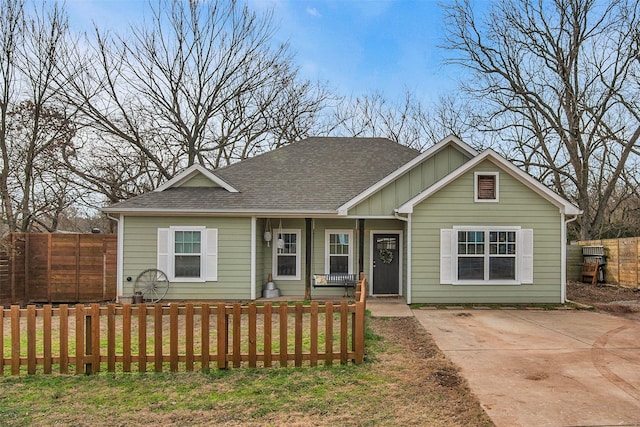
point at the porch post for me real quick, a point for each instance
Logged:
(307, 260)
(360, 246)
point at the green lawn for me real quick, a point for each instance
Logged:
(395, 386)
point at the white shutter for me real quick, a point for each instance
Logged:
(211, 257)
(526, 256)
(446, 257)
(163, 251)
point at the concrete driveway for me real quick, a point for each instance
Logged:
(544, 368)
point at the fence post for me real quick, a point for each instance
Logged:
(283, 319)
(359, 332)
(328, 328)
(223, 326)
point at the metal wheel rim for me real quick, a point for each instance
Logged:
(153, 284)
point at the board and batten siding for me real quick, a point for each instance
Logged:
(454, 206)
(421, 177)
(234, 256)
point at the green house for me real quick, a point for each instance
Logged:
(448, 225)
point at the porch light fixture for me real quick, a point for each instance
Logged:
(280, 241)
(267, 232)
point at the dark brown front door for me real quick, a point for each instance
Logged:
(386, 263)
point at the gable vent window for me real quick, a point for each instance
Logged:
(486, 187)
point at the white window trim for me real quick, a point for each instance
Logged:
(274, 258)
(208, 253)
(327, 245)
(486, 229)
(475, 187)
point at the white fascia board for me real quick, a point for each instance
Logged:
(225, 212)
(453, 140)
(192, 171)
(565, 207)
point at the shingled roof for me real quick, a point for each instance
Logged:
(315, 175)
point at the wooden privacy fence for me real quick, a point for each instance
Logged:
(46, 267)
(623, 260)
(176, 337)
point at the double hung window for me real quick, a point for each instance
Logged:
(286, 255)
(339, 251)
(486, 255)
(188, 253)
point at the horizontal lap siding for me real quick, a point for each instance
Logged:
(234, 256)
(454, 206)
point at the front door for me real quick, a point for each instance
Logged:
(386, 263)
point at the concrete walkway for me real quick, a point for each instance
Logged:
(544, 368)
(388, 307)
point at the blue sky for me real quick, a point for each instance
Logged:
(356, 46)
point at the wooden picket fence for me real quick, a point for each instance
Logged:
(88, 339)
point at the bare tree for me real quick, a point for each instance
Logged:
(198, 82)
(555, 79)
(33, 126)
(409, 122)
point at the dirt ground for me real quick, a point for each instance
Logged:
(429, 380)
(612, 299)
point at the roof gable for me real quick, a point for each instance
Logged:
(563, 205)
(196, 176)
(450, 141)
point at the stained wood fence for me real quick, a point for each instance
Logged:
(88, 339)
(58, 268)
(623, 260)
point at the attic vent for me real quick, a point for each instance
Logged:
(487, 187)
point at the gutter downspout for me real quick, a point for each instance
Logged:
(408, 221)
(253, 251)
(119, 256)
(563, 265)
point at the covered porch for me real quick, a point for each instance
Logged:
(293, 250)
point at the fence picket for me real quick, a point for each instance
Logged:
(173, 337)
(15, 339)
(157, 337)
(253, 320)
(344, 332)
(283, 334)
(95, 337)
(204, 338)
(111, 338)
(298, 335)
(142, 338)
(64, 338)
(46, 339)
(237, 323)
(328, 340)
(222, 328)
(126, 337)
(268, 330)
(31, 339)
(79, 359)
(189, 337)
(313, 321)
